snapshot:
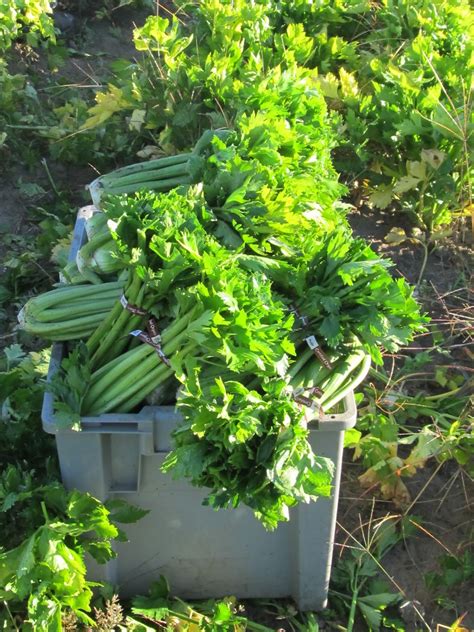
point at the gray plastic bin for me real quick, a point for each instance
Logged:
(203, 553)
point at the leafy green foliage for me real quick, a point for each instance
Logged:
(21, 394)
(32, 15)
(19, 103)
(340, 285)
(70, 387)
(221, 69)
(400, 74)
(37, 120)
(244, 334)
(356, 579)
(46, 529)
(12, 92)
(28, 258)
(233, 333)
(397, 77)
(159, 608)
(247, 447)
(102, 146)
(47, 569)
(399, 431)
(347, 291)
(454, 570)
(338, 282)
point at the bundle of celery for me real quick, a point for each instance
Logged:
(161, 174)
(231, 324)
(245, 342)
(97, 260)
(337, 284)
(258, 180)
(69, 312)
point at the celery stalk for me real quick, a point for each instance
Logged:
(147, 176)
(117, 375)
(156, 185)
(143, 167)
(351, 384)
(336, 378)
(115, 324)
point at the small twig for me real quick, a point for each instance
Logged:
(11, 616)
(50, 277)
(423, 264)
(428, 533)
(450, 485)
(466, 495)
(425, 486)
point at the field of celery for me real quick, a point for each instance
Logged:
(284, 211)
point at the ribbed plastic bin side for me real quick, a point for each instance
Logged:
(203, 553)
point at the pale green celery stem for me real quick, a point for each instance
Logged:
(338, 379)
(85, 254)
(351, 384)
(145, 166)
(101, 342)
(174, 171)
(150, 386)
(79, 309)
(70, 293)
(137, 392)
(96, 336)
(152, 369)
(113, 375)
(66, 337)
(107, 368)
(310, 375)
(158, 185)
(104, 258)
(126, 322)
(96, 224)
(319, 376)
(101, 292)
(313, 372)
(51, 331)
(121, 366)
(128, 385)
(300, 362)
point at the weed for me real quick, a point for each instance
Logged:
(111, 616)
(32, 17)
(356, 579)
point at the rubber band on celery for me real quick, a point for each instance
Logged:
(131, 308)
(313, 344)
(144, 337)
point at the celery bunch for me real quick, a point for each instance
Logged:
(97, 259)
(69, 312)
(160, 174)
(243, 321)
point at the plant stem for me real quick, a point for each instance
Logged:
(433, 398)
(251, 625)
(45, 511)
(351, 620)
(17, 629)
(50, 177)
(423, 264)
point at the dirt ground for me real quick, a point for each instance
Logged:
(442, 496)
(443, 499)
